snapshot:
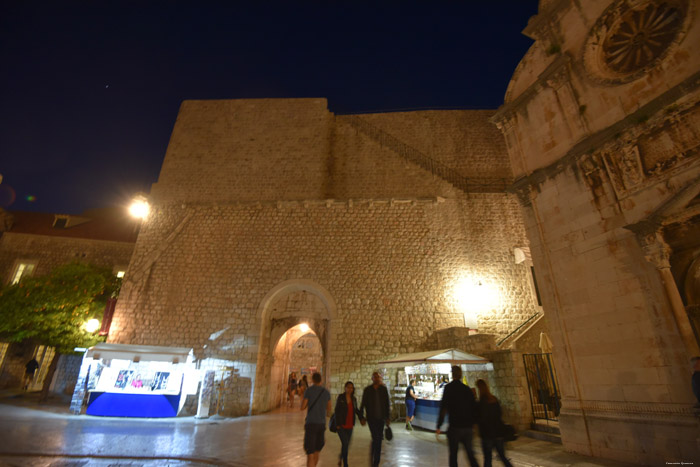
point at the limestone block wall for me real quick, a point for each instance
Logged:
(509, 384)
(616, 345)
(201, 271)
(246, 150)
(462, 139)
(66, 374)
(50, 252)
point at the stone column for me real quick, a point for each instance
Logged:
(657, 252)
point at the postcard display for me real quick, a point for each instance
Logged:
(127, 388)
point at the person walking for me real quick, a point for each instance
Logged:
(346, 409)
(490, 425)
(303, 385)
(458, 402)
(29, 371)
(375, 409)
(410, 404)
(291, 388)
(318, 401)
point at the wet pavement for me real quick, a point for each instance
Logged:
(47, 435)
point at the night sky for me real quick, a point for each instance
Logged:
(89, 91)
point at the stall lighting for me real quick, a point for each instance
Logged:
(304, 327)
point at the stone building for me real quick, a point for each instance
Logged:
(602, 120)
(34, 243)
(380, 231)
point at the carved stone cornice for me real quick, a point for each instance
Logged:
(553, 73)
(539, 26)
(609, 136)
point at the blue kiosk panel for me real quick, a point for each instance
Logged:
(110, 404)
(427, 413)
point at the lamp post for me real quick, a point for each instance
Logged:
(92, 325)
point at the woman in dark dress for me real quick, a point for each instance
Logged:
(345, 410)
(410, 404)
(490, 425)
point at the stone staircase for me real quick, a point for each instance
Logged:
(411, 154)
(544, 430)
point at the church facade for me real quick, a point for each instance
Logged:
(601, 120)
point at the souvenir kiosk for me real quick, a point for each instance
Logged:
(429, 369)
(137, 380)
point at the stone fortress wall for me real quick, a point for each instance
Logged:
(273, 196)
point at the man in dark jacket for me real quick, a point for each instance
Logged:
(375, 401)
(458, 402)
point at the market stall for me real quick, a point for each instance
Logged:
(430, 370)
(138, 380)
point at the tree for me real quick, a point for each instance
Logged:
(53, 309)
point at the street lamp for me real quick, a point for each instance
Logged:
(92, 325)
(139, 207)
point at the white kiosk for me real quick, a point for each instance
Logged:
(428, 369)
(136, 380)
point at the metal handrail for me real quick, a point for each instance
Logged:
(514, 331)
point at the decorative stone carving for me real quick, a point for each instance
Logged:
(625, 169)
(631, 37)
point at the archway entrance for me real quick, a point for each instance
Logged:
(300, 351)
(282, 312)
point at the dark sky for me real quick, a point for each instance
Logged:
(89, 91)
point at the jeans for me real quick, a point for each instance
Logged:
(464, 436)
(487, 445)
(376, 427)
(344, 434)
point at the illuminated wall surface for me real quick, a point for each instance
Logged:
(601, 121)
(273, 212)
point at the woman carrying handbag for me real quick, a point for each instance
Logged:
(346, 408)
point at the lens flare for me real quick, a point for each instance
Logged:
(30, 198)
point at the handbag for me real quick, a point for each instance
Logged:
(388, 434)
(332, 427)
(509, 433)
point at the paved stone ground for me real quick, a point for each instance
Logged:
(46, 435)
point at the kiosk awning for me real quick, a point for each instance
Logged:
(139, 353)
(453, 356)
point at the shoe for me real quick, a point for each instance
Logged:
(409, 427)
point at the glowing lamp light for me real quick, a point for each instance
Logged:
(139, 207)
(92, 325)
(304, 327)
(473, 297)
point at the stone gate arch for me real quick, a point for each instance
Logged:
(273, 325)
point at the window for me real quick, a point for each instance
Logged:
(22, 269)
